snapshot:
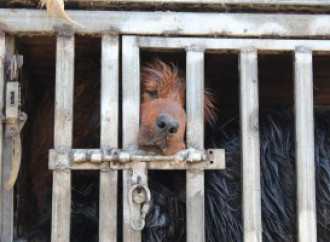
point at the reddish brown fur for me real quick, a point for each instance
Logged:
(163, 93)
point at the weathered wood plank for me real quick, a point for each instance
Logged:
(250, 144)
(195, 139)
(275, 3)
(64, 91)
(7, 212)
(214, 44)
(131, 119)
(199, 24)
(109, 136)
(7, 197)
(61, 206)
(2, 85)
(259, 4)
(305, 165)
(61, 203)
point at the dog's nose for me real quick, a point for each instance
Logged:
(166, 124)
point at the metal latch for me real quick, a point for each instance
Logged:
(138, 196)
(138, 162)
(14, 118)
(212, 159)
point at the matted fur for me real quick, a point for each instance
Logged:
(278, 180)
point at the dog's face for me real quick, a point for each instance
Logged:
(163, 118)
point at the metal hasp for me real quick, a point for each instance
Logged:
(137, 163)
(14, 118)
(138, 196)
(82, 159)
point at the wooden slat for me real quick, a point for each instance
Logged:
(61, 203)
(131, 114)
(214, 44)
(259, 5)
(306, 208)
(250, 144)
(178, 23)
(109, 137)
(7, 197)
(2, 84)
(195, 139)
(271, 3)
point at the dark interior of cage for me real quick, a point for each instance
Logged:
(275, 71)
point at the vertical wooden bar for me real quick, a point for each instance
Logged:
(250, 144)
(7, 50)
(109, 136)
(61, 203)
(2, 85)
(131, 119)
(306, 208)
(195, 139)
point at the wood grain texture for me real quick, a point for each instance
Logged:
(131, 119)
(61, 200)
(224, 2)
(220, 44)
(2, 85)
(170, 23)
(7, 50)
(250, 144)
(305, 164)
(109, 136)
(195, 139)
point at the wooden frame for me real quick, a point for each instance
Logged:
(59, 157)
(213, 24)
(249, 110)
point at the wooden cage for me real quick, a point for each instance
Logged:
(123, 36)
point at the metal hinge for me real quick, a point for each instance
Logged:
(14, 119)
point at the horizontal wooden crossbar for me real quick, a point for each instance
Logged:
(274, 3)
(221, 44)
(168, 23)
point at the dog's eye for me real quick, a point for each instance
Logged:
(152, 94)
